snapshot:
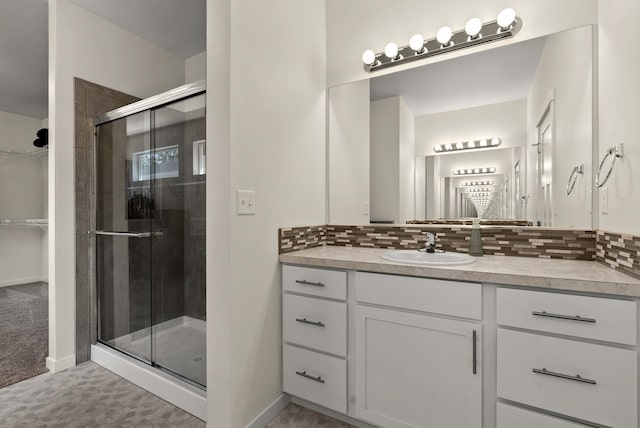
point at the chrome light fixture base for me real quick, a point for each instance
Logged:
(490, 32)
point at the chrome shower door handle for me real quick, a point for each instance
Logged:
(125, 234)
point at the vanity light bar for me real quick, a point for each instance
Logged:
(478, 183)
(480, 190)
(471, 171)
(467, 145)
(475, 33)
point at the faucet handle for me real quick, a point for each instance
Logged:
(430, 238)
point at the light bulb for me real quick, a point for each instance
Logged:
(471, 145)
(476, 171)
(416, 42)
(369, 57)
(484, 170)
(448, 147)
(483, 143)
(443, 36)
(459, 146)
(437, 148)
(391, 50)
(492, 170)
(469, 171)
(506, 18)
(473, 27)
(495, 141)
(455, 172)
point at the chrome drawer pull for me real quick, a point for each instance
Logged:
(304, 374)
(306, 321)
(576, 378)
(475, 351)
(303, 282)
(563, 317)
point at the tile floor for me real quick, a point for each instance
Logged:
(87, 396)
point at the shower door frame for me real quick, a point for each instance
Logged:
(148, 104)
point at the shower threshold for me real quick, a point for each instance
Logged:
(180, 344)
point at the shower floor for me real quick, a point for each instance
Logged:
(178, 345)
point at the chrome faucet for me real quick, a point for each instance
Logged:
(429, 243)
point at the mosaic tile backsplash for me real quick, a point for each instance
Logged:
(299, 238)
(507, 241)
(619, 251)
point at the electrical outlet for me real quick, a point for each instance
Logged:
(604, 201)
(245, 202)
(365, 208)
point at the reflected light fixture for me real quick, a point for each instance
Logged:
(469, 171)
(478, 183)
(466, 145)
(474, 33)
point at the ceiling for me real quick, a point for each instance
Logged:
(489, 77)
(177, 26)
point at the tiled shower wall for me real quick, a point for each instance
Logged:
(90, 100)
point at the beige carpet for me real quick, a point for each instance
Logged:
(294, 416)
(24, 335)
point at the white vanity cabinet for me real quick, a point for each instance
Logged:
(417, 369)
(552, 367)
(314, 330)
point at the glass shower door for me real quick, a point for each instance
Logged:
(178, 239)
(124, 211)
(150, 237)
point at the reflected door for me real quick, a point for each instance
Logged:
(545, 167)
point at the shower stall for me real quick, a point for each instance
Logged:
(150, 233)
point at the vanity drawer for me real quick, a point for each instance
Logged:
(454, 298)
(612, 400)
(327, 283)
(326, 383)
(315, 323)
(595, 318)
(511, 417)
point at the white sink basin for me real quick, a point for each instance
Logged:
(416, 257)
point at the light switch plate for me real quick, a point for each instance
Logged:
(245, 202)
(604, 200)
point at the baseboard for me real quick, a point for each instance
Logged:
(268, 414)
(60, 364)
(331, 413)
(20, 281)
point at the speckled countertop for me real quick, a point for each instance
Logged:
(573, 275)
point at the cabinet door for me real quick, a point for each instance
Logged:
(417, 371)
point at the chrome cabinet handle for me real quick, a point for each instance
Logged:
(475, 351)
(303, 282)
(563, 317)
(306, 321)
(576, 378)
(304, 374)
(128, 234)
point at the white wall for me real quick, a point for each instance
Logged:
(357, 25)
(85, 46)
(21, 197)
(348, 153)
(506, 121)
(619, 112)
(565, 71)
(275, 145)
(195, 68)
